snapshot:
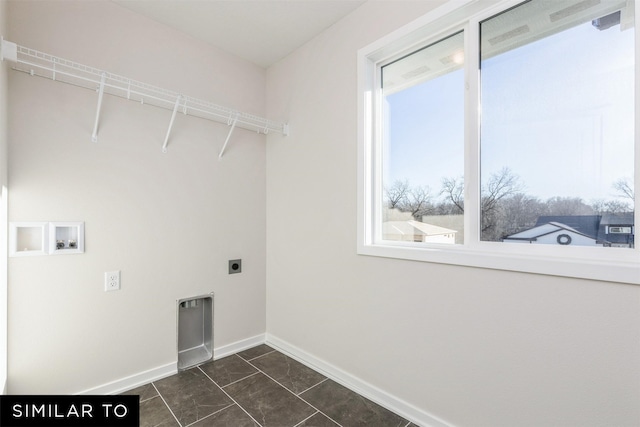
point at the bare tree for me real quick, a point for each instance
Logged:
(453, 190)
(418, 202)
(625, 189)
(499, 186)
(506, 209)
(600, 206)
(517, 212)
(404, 198)
(396, 195)
(568, 206)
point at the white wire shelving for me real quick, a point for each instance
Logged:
(51, 67)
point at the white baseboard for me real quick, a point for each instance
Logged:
(382, 398)
(235, 347)
(155, 374)
(363, 388)
(133, 381)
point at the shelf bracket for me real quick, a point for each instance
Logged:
(94, 135)
(8, 50)
(226, 141)
(173, 117)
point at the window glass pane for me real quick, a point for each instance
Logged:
(557, 125)
(423, 159)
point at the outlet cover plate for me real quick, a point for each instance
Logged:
(235, 266)
(111, 281)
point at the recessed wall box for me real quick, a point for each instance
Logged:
(195, 331)
(28, 238)
(66, 238)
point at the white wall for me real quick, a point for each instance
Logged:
(472, 347)
(170, 222)
(3, 207)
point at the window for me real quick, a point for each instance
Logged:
(557, 137)
(423, 117)
(503, 138)
(620, 230)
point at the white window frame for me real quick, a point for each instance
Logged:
(611, 264)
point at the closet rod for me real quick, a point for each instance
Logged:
(44, 65)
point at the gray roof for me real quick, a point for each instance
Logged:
(584, 224)
(595, 226)
(626, 218)
(532, 234)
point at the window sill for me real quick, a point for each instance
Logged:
(626, 269)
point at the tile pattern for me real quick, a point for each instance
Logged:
(259, 387)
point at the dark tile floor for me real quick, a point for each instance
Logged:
(259, 387)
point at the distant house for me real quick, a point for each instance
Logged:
(617, 230)
(452, 221)
(415, 231)
(552, 233)
(611, 230)
(585, 224)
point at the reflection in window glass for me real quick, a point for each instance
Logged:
(423, 159)
(557, 125)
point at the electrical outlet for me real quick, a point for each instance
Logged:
(235, 266)
(111, 281)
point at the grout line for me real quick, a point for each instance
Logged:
(337, 423)
(149, 398)
(236, 381)
(218, 411)
(229, 396)
(257, 357)
(166, 404)
(315, 385)
(296, 395)
(310, 416)
(332, 378)
(249, 361)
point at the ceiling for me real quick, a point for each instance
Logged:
(261, 31)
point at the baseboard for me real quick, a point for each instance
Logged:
(133, 381)
(382, 398)
(365, 389)
(155, 374)
(229, 349)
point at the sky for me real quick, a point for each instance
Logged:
(558, 112)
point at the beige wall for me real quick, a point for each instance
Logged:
(3, 206)
(472, 347)
(170, 222)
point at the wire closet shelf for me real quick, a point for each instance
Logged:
(62, 70)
